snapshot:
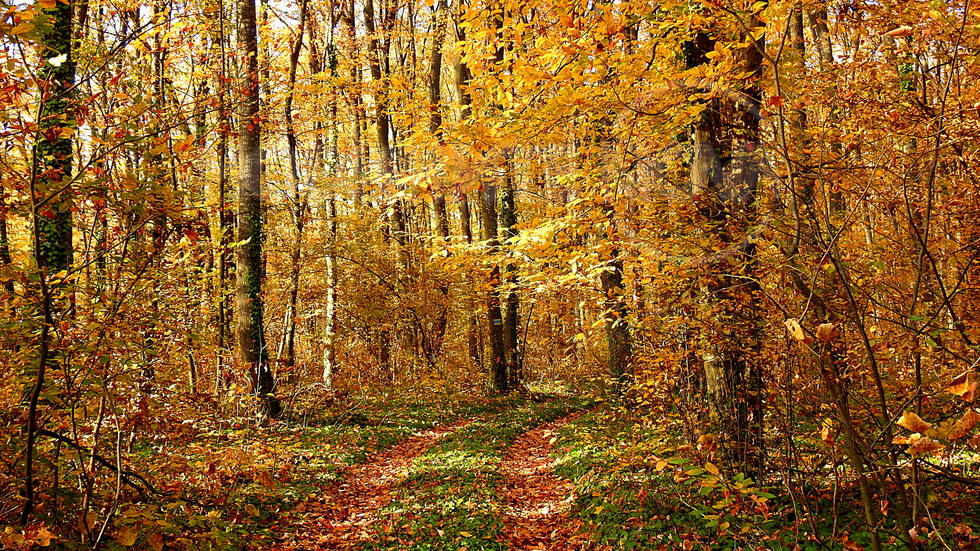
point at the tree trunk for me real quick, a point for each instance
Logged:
(249, 311)
(51, 201)
(287, 356)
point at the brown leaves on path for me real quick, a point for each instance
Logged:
(346, 515)
(537, 500)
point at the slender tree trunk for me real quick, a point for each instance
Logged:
(249, 311)
(330, 329)
(288, 356)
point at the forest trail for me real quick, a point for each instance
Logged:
(343, 518)
(536, 500)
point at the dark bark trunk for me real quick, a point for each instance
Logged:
(51, 198)
(249, 312)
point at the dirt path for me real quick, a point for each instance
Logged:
(537, 501)
(344, 518)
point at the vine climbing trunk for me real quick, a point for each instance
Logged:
(249, 308)
(51, 200)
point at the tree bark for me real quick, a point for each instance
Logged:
(51, 200)
(249, 309)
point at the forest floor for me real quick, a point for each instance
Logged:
(520, 473)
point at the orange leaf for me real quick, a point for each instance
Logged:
(960, 385)
(904, 30)
(264, 479)
(156, 541)
(913, 422)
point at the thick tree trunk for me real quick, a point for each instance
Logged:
(724, 191)
(249, 309)
(51, 199)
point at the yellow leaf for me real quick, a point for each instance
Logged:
(44, 536)
(466, 534)
(251, 509)
(711, 468)
(661, 465)
(794, 329)
(22, 28)
(599, 509)
(913, 422)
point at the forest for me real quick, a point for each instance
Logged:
(489, 274)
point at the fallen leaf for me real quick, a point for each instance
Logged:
(156, 541)
(126, 536)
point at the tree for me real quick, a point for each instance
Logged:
(249, 309)
(51, 218)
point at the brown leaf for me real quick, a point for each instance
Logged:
(925, 445)
(827, 332)
(964, 425)
(913, 422)
(264, 479)
(156, 541)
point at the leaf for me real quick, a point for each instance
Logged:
(126, 536)
(904, 30)
(711, 468)
(265, 479)
(156, 541)
(963, 387)
(58, 61)
(794, 329)
(22, 28)
(466, 534)
(964, 425)
(776, 101)
(827, 332)
(959, 385)
(44, 536)
(913, 422)
(925, 445)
